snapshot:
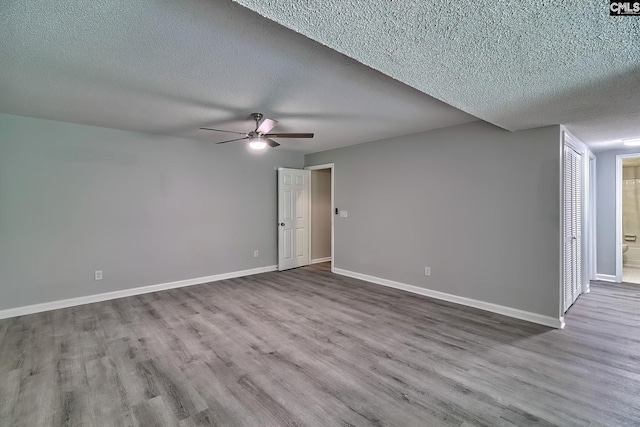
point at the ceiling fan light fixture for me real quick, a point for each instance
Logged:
(257, 144)
(260, 138)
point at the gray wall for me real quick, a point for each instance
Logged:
(606, 209)
(320, 213)
(477, 204)
(145, 209)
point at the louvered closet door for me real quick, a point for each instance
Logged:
(572, 226)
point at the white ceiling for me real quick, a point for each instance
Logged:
(516, 64)
(170, 67)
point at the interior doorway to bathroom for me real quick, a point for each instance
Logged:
(628, 218)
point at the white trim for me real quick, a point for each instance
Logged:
(333, 211)
(588, 212)
(562, 149)
(333, 208)
(593, 244)
(88, 299)
(619, 258)
(574, 142)
(618, 249)
(319, 260)
(606, 277)
(316, 167)
(552, 322)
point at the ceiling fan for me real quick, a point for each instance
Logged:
(260, 137)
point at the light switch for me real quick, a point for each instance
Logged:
(344, 214)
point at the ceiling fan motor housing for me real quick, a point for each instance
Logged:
(261, 134)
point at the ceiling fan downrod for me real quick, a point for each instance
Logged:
(257, 117)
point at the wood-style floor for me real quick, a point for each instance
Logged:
(309, 348)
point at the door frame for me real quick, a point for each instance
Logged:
(592, 245)
(318, 167)
(619, 258)
(588, 213)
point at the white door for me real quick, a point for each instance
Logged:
(293, 218)
(572, 227)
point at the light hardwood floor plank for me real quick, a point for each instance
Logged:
(310, 348)
(9, 393)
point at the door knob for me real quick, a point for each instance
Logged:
(282, 224)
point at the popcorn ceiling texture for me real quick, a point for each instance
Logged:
(515, 64)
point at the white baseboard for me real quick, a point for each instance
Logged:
(71, 302)
(552, 322)
(606, 277)
(319, 260)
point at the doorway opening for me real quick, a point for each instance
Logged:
(628, 218)
(321, 208)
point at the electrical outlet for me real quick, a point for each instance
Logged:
(255, 253)
(98, 275)
(427, 271)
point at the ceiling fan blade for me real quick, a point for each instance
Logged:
(271, 143)
(266, 126)
(227, 131)
(289, 135)
(231, 140)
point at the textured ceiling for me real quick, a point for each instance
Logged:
(516, 64)
(170, 67)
